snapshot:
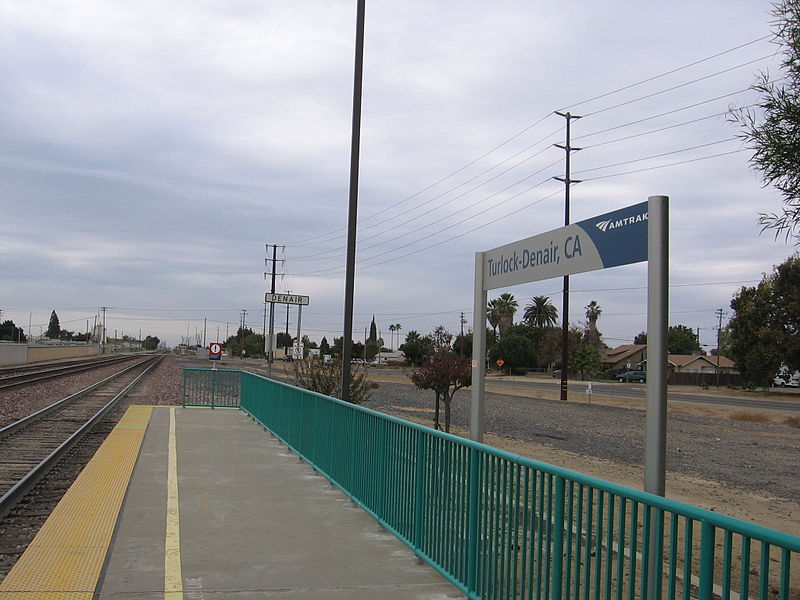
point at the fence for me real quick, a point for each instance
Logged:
(503, 526)
(211, 387)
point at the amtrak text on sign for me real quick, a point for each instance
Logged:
(609, 240)
(286, 299)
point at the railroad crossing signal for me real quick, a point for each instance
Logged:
(215, 351)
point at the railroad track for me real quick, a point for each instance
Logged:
(35, 373)
(31, 447)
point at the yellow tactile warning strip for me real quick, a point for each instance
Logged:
(65, 559)
(173, 581)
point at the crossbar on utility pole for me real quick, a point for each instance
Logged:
(568, 149)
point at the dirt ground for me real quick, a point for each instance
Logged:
(775, 513)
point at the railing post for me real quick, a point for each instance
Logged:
(473, 533)
(558, 541)
(185, 384)
(706, 586)
(419, 488)
(213, 387)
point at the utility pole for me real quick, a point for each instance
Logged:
(720, 314)
(268, 339)
(103, 308)
(461, 343)
(568, 149)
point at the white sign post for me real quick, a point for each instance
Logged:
(629, 235)
(271, 342)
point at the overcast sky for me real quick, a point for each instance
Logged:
(150, 150)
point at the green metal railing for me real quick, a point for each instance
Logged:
(211, 387)
(503, 526)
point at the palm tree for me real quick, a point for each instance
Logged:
(593, 312)
(540, 312)
(392, 329)
(397, 328)
(507, 306)
(493, 314)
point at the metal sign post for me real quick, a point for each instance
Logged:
(272, 299)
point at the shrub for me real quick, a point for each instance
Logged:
(316, 376)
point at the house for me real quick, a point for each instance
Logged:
(624, 358)
(690, 363)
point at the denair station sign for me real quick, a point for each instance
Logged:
(609, 240)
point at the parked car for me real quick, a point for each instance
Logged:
(378, 362)
(356, 361)
(786, 381)
(639, 376)
(288, 358)
(556, 373)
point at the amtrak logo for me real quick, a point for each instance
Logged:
(617, 223)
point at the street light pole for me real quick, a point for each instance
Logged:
(352, 218)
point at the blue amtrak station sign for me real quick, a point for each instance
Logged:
(609, 240)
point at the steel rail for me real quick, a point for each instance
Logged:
(25, 378)
(27, 482)
(42, 412)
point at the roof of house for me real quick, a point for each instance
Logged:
(613, 355)
(681, 360)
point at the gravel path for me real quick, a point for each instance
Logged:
(759, 457)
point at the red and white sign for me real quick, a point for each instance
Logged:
(215, 351)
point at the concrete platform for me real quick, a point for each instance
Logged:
(231, 513)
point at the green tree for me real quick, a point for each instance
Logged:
(371, 349)
(541, 312)
(516, 351)
(640, 338)
(463, 344)
(493, 314)
(772, 135)
(10, 332)
(282, 340)
(587, 361)
(682, 340)
(765, 328)
(324, 347)
(373, 330)
(445, 373)
(416, 348)
(593, 312)
(150, 343)
(507, 306)
(53, 328)
(253, 345)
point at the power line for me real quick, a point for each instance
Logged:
(628, 162)
(432, 185)
(676, 87)
(427, 212)
(682, 162)
(319, 239)
(666, 73)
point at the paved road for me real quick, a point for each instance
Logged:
(789, 400)
(626, 390)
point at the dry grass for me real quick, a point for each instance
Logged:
(793, 421)
(753, 417)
